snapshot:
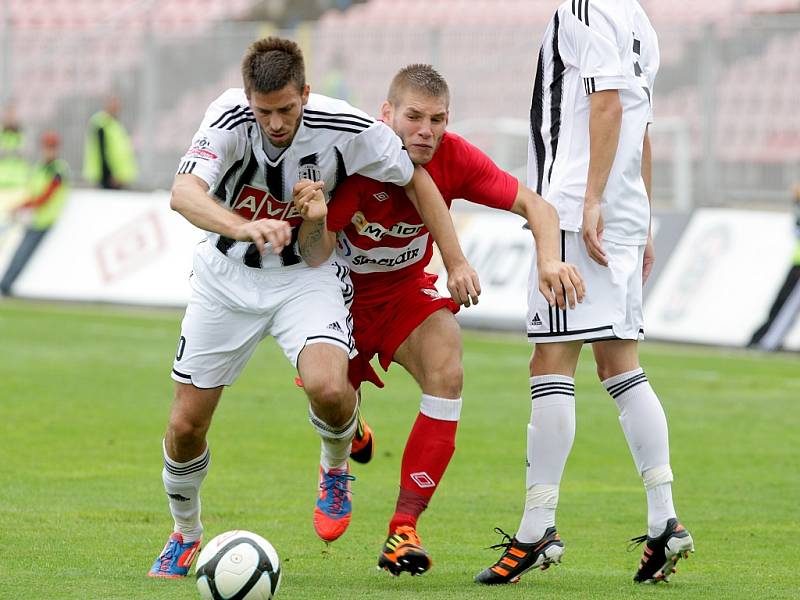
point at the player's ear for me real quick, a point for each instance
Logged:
(387, 111)
(306, 92)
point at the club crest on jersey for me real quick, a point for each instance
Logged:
(255, 203)
(310, 171)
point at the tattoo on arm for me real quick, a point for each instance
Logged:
(311, 239)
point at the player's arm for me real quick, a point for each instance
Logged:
(462, 280)
(314, 241)
(190, 198)
(559, 282)
(647, 176)
(605, 119)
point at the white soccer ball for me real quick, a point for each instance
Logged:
(238, 564)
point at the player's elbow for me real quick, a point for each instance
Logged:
(177, 197)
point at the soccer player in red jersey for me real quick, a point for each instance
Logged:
(398, 313)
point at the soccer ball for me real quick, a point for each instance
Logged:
(238, 564)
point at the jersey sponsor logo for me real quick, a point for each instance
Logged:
(381, 196)
(432, 293)
(380, 258)
(254, 203)
(395, 261)
(376, 231)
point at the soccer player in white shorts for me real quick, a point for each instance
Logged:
(241, 182)
(589, 156)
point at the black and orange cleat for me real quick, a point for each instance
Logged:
(662, 553)
(518, 558)
(363, 442)
(403, 551)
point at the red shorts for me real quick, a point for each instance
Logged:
(380, 328)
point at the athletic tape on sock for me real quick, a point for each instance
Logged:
(541, 495)
(327, 431)
(657, 476)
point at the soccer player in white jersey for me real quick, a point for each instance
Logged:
(589, 156)
(237, 182)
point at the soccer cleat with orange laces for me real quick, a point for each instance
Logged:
(662, 553)
(363, 442)
(176, 558)
(403, 551)
(519, 558)
(334, 508)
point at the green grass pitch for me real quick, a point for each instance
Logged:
(84, 395)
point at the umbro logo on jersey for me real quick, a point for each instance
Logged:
(536, 320)
(178, 497)
(381, 196)
(423, 480)
(336, 327)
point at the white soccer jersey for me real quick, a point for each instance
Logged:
(334, 140)
(589, 46)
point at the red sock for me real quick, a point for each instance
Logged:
(429, 448)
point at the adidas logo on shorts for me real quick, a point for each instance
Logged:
(336, 327)
(536, 320)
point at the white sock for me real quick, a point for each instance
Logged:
(182, 483)
(335, 442)
(550, 436)
(645, 427)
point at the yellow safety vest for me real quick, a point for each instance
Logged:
(119, 151)
(14, 169)
(41, 179)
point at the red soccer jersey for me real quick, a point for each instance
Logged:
(381, 235)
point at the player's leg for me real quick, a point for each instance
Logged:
(558, 335)
(216, 342)
(186, 463)
(645, 427)
(331, 398)
(314, 328)
(432, 355)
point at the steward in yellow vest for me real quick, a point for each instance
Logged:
(108, 159)
(47, 192)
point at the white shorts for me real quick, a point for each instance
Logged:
(233, 307)
(612, 307)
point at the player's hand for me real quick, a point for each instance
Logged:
(309, 200)
(649, 259)
(463, 284)
(561, 284)
(265, 231)
(593, 232)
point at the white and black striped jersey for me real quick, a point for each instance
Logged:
(333, 141)
(589, 46)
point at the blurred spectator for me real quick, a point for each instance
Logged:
(108, 159)
(47, 191)
(14, 169)
(786, 306)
